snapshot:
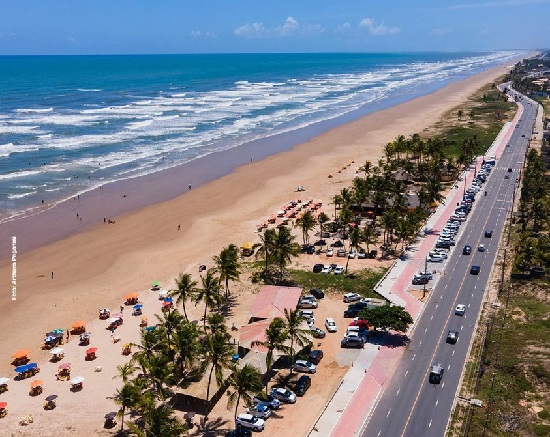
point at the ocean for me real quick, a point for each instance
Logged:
(69, 124)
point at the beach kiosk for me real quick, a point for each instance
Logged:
(4, 384)
(76, 383)
(104, 313)
(91, 354)
(247, 249)
(36, 387)
(57, 354)
(3, 409)
(50, 402)
(131, 299)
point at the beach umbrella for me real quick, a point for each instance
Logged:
(130, 296)
(150, 328)
(4, 381)
(58, 331)
(166, 304)
(21, 354)
(138, 306)
(78, 325)
(163, 294)
(51, 398)
(57, 351)
(91, 350)
(31, 366)
(21, 369)
(168, 299)
(49, 339)
(64, 366)
(77, 380)
(37, 383)
(3, 404)
(156, 283)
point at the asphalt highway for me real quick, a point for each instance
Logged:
(410, 406)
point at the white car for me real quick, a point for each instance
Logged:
(249, 421)
(330, 251)
(307, 315)
(460, 310)
(283, 395)
(351, 253)
(338, 270)
(304, 366)
(330, 324)
(437, 254)
(326, 270)
(261, 410)
(435, 258)
(351, 297)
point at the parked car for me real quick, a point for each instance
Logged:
(311, 249)
(435, 258)
(249, 421)
(261, 411)
(268, 400)
(304, 366)
(317, 332)
(317, 268)
(372, 254)
(326, 270)
(353, 341)
(283, 395)
(239, 432)
(341, 253)
(307, 315)
(351, 253)
(354, 309)
(460, 310)
(315, 356)
(352, 297)
(330, 251)
(317, 292)
(303, 383)
(420, 280)
(436, 374)
(361, 254)
(452, 336)
(307, 303)
(474, 270)
(338, 270)
(330, 324)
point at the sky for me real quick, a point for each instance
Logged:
(264, 26)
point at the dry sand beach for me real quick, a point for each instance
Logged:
(95, 268)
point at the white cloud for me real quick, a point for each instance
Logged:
(196, 33)
(441, 31)
(199, 34)
(72, 39)
(291, 27)
(377, 29)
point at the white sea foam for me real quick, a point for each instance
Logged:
(21, 195)
(91, 90)
(33, 110)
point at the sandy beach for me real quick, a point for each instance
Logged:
(70, 279)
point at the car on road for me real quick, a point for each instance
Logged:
(239, 432)
(467, 250)
(317, 293)
(488, 234)
(261, 411)
(317, 332)
(353, 341)
(474, 270)
(352, 297)
(330, 251)
(436, 374)
(301, 386)
(317, 268)
(283, 395)
(481, 248)
(460, 310)
(338, 270)
(435, 258)
(315, 356)
(270, 401)
(304, 366)
(249, 421)
(452, 336)
(330, 324)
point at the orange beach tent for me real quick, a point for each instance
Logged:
(21, 354)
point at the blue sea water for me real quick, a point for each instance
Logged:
(69, 124)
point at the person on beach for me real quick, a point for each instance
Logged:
(189, 186)
(52, 275)
(179, 227)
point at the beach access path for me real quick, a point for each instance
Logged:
(348, 410)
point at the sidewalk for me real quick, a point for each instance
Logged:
(349, 409)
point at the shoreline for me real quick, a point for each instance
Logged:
(96, 267)
(61, 219)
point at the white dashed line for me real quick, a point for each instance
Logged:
(389, 411)
(398, 390)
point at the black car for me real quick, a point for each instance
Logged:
(303, 383)
(443, 244)
(315, 356)
(488, 234)
(317, 268)
(311, 249)
(354, 309)
(474, 270)
(436, 373)
(317, 292)
(239, 432)
(509, 170)
(420, 280)
(467, 250)
(372, 254)
(452, 336)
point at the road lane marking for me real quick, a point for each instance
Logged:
(449, 367)
(379, 432)
(398, 390)
(406, 373)
(436, 402)
(426, 330)
(453, 354)
(432, 317)
(430, 424)
(389, 411)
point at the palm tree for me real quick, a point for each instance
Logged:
(297, 335)
(284, 248)
(159, 421)
(306, 223)
(209, 293)
(276, 336)
(187, 348)
(149, 345)
(268, 237)
(218, 354)
(243, 382)
(227, 265)
(127, 397)
(369, 236)
(125, 371)
(169, 322)
(187, 288)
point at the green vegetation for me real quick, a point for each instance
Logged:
(387, 317)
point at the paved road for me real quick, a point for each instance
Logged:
(410, 405)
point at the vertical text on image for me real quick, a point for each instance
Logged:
(14, 268)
